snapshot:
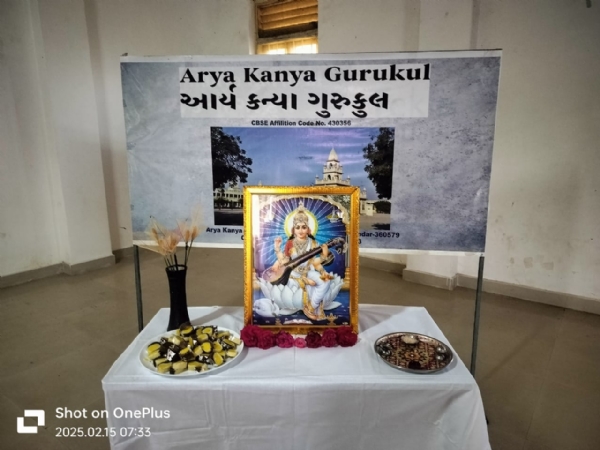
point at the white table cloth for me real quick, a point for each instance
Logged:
(290, 399)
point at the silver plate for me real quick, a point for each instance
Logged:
(413, 352)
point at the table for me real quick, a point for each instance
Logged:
(289, 399)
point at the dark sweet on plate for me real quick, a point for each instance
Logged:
(192, 348)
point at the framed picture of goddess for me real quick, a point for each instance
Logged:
(301, 257)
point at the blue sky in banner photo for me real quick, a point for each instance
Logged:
(294, 156)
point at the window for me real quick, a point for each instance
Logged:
(287, 26)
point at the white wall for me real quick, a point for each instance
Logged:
(53, 202)
(445, 24)
(544, 218)
(27, 222)
(347, 26)
(63, 186)
(59, 73)
(71, 115)
(545, 196)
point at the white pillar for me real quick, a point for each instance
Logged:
(72, 135)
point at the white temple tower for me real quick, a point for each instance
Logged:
(333, 172)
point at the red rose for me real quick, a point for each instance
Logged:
(284, 339)
(299, 342)
(346, 338)
(249, 335)
(313, 339)
(329, 338)
(265, 339)
(342, 330)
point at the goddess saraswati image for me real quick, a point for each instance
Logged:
(300, 262)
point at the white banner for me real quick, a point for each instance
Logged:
(414, 131)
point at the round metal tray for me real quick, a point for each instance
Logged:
(413, 352)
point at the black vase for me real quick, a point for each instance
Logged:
(179, 309)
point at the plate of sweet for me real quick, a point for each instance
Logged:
(191, 351)
(413, 352)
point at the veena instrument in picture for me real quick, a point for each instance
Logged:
(282, 274)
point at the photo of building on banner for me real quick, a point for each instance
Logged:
(322, 157)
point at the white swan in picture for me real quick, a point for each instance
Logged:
(265, 307)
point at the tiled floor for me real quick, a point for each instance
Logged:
(538, 367)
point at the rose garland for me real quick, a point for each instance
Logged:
(254, 336)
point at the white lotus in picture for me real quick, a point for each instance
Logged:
(283, 300)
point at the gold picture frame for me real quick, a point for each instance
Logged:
(301, 257)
